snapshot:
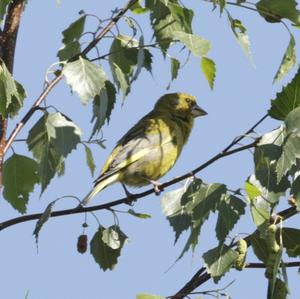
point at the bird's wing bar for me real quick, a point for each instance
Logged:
(131, 159)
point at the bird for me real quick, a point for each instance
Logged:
(151, 147)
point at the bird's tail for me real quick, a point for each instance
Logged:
(99, 187)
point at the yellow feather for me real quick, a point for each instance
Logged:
(99, 187)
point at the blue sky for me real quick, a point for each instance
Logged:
(241, 96)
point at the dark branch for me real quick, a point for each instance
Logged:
(263, 266)
(124, 200)
(50, 86)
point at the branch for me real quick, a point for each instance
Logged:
(124, 200)
(52, 83)
(262, 265)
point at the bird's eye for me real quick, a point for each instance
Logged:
(188, 100)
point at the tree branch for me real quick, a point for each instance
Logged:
(52, 83)
(263, 266)
(124, 200)
(8, 40)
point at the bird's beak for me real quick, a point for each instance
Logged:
(197, 111)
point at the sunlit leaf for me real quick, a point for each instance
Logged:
(138, 215)
(89, 159)
(209, 70)
(288, 61)
(196, 44)
(240, 32)
(85, 78)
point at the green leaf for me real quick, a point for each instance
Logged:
(265, 158)
(260, 247)
(105, 256)
(68, 51)
(252, 190)
(196, 44)
(175, 66)
(71, 37)
(274, 10)
(175, 211)
(74, 31)
(290, 238)
(167, 17)
(280, 290)
(289, 156)
(272, 282)
(63, 133)
(19, 177)
(89, 159)
(295, 188)
(85, 78)
(3, 6)
(219, 260)
(286, 100)
(42, 220)
(120, 79)
(209, 70)
(259, 206)
(148, 296)
(103, 105)
(240, 33)
(138, 215)
(12, 93)
(136, 8)
(129, 54)
(288, 61)
(182, 15)
(201, 199)
(230, 210)
(290, 148)
(51, 139)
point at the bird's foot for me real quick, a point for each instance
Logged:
(130, 197)
(157, 187)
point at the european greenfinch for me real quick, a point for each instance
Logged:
(152, 146)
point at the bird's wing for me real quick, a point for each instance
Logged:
(139, 141)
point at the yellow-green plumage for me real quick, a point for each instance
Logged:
(151, 147)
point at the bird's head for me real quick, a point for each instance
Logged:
(180, 103)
